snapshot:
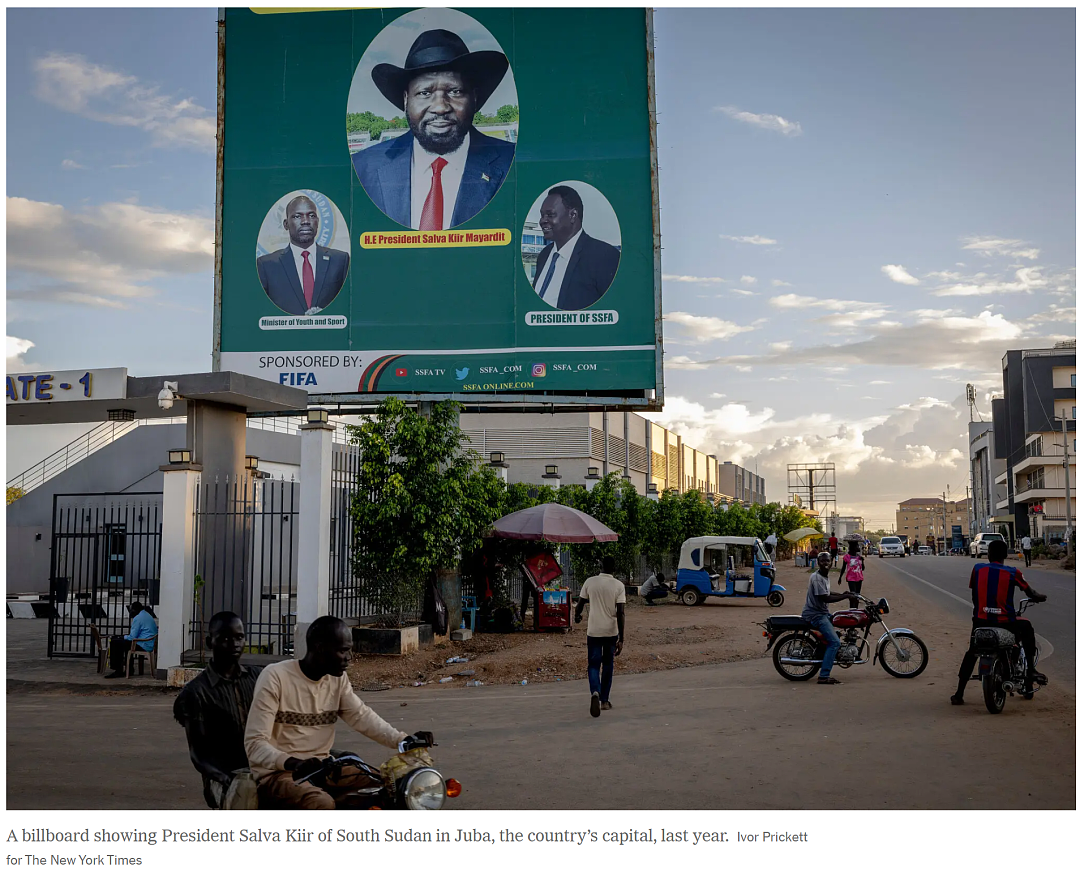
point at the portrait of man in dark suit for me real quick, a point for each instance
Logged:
(443, 171)
(574, 270)
(303, 277)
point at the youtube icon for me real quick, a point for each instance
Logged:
(400, 372)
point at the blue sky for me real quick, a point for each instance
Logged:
(861, 211)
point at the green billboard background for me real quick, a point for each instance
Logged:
(444, 320)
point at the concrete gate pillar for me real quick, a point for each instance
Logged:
(177, 562)
(313, 545)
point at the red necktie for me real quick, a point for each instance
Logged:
(309, 279)
(432, 218)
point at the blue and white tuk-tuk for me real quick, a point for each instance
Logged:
(726, 566)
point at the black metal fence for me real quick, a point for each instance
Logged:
(106, 553)
(245, 543)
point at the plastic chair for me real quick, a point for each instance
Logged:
(468, 613)
(102, 648)
(143, 655)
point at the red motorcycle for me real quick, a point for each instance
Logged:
(800, 649)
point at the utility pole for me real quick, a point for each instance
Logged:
(944, 521)
(1068, 503)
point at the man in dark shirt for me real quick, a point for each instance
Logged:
(213, 708)
(992, 587)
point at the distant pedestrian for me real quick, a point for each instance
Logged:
(834, 547)
(654, 588)
(770, 545)
(606, 596)
(1025, 545)
(853, 567)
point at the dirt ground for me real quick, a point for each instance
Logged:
(666, 636)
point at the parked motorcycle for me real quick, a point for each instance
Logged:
(1003, 664)
(800, 649)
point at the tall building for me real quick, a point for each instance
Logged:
(844, 526)
(1039, 398)
(921, 517)
(986, 469)
(742, 484)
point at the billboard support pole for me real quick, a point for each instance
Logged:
(219, 190)
(654, 166)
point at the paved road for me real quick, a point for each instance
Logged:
(944, 581)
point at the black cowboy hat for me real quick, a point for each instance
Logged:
(435, 51)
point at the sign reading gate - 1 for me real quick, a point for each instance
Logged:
(439, 203)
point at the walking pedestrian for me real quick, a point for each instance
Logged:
(834, 547)
(1025, 546)
(853, 567)
(605, 632)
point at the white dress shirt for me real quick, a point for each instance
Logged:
(451, 180)
(298, 258)
(555, 288)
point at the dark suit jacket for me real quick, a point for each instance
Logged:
(277, 273)
(385, 171)
(589, 274)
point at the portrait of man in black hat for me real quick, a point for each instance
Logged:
(443, 171)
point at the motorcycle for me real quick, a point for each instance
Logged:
(408, 780)
(1003, 664)
(800, 649)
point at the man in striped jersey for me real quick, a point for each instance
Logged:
(992, 587)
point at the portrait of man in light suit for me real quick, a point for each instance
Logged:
(303, 277)
(574, 270)
(443, 171)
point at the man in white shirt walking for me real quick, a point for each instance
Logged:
(290, 727)
(606, 596)
(1025, 546)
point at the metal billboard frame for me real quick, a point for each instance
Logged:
(543, 401)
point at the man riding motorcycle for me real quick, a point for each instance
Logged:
(992, 587)
(290, 729)
(816, 613)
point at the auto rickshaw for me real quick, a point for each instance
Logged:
(726, 566)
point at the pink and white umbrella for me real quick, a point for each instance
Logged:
(555, 523)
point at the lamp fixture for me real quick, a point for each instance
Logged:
(318, 416)
(251, 462)
(551, 470)
(498, 457)
(594, 472)
(179, 455)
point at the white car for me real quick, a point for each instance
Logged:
(924, 549)
(981, 543)
(891, 546)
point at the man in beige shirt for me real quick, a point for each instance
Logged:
(606, 596)
(290, 727)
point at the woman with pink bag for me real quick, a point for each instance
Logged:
(854, 565)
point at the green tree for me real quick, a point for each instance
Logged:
(421, 501)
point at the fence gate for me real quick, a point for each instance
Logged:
(245, 542)
(106, 553)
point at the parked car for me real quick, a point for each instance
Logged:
(891, 546)
(981, 542)
(924, 549)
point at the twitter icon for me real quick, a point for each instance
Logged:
(461, 374)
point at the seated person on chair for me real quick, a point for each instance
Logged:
(213, 708)
(654, 588)
(290, 729)
(992, 587)
(143, 629)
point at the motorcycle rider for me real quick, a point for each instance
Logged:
(213, 708)
(992, 587)
(290, 729)
(816, 613)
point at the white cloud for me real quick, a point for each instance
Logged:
(1027, 280)
(880, 382)
(717, 396)
(16, 354)
(991, 246)
(102, 255)
(898, 274)
(750, 240)
(69, 164)
(692, 279)
(777, 283)
(72, 83)
(780, 346)
(743, 293)
(749, 280)
(704, 328)
(765, 121)
(683, 362)
(842, 313)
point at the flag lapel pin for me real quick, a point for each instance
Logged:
(484, 176)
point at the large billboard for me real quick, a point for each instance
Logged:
(438, 203)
